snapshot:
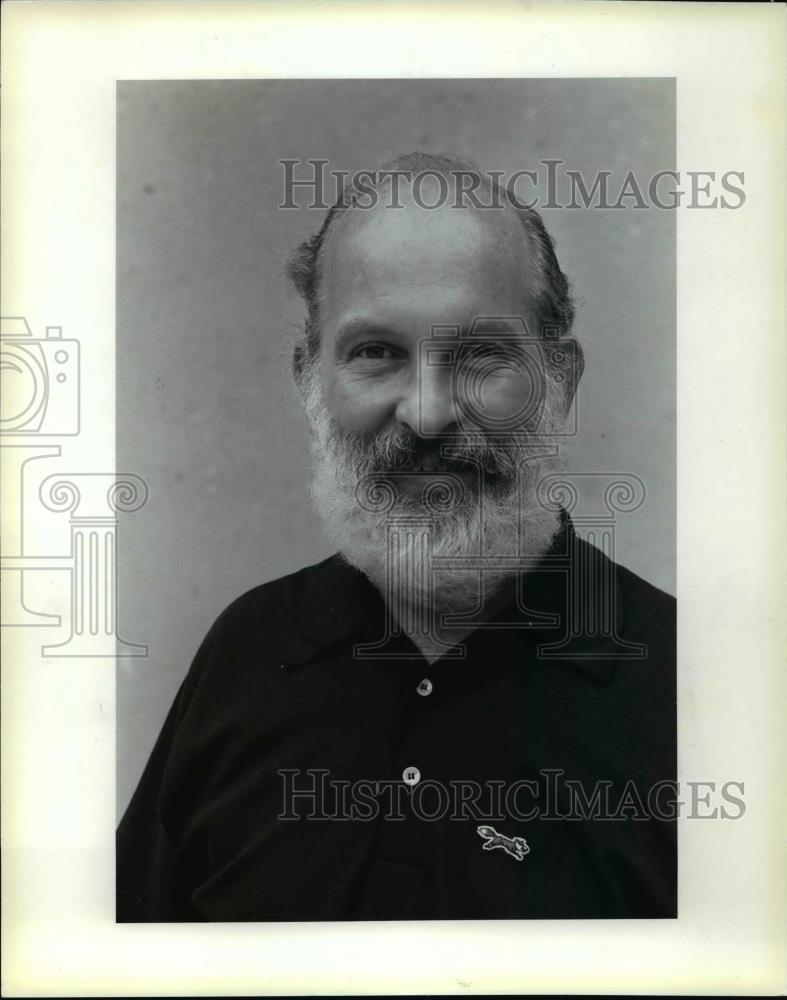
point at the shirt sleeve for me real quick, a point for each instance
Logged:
(146, 880)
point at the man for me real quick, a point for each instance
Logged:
(469, 712)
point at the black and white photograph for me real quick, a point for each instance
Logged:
(444, 695)
(392, 441)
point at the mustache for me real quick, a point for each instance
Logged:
(399, 449)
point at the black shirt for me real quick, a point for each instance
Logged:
(416, 780)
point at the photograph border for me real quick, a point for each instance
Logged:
(60, 65)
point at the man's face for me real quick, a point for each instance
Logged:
(378, 411)
(390, 275)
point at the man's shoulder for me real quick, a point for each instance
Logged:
(282, 586)
(645, 606)
(315, 600)
(640, 588)
(640, 593)
(643, 609)
(260, 625)
(297, 590)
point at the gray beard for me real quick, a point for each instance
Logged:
(405, 544)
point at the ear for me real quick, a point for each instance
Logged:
(574, 370)
(566, 363)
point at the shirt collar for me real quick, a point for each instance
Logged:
(549, 591)
(338, 602)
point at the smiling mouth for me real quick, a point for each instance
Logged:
(413, 481)
(451, 466)
(428, 469)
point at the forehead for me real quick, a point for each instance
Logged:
(436, 265)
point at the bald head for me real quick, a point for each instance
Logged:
(440, 181)
(388, 392)
(419, 267)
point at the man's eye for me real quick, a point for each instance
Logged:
(374, 352)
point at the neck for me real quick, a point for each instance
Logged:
(427, 629)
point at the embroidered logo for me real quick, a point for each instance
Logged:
(515, 846)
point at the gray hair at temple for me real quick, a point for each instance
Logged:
(551, 299)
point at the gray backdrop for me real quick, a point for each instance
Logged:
(205, 411)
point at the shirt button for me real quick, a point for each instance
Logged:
(425, 687)
(411, 776)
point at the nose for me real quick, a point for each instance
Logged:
(428, 407)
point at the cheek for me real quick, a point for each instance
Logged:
(357, 404)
